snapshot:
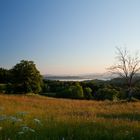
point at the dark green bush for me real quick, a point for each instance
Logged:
(76, 92)
(73, 92)
(2, 88)
(136, 93)
(88, 93)
(106, 93)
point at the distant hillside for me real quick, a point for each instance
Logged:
(81, 77)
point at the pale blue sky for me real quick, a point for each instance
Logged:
(67, 36)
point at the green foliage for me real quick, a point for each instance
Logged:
(107, 93)
(72, 91)
(2, 88)
(136, 92)
(94, 85)
(76, 92)
(54, 86)
(87, 93)
(95, 89)
(45, 88)
(26, 77)
(9, 88)
(4, 75)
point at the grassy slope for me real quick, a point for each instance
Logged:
(68, 119)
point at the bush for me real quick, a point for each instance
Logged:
(5, 75)
(45, 88)
(9, 88)
(123, 94)
(73, 92)
(106, 93)
(76, 92)
(88, 93)
(136, 93)
(2, 88)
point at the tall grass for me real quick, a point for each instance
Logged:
(42, 118)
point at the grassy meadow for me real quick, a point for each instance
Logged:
(42, 118)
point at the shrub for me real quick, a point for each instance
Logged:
(9, 88)
(136, 93)
(73, 92)
(76, 92)
(106, 93)
(87, 93)
(2, 88)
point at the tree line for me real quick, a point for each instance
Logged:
(25, 78)
(114, 89)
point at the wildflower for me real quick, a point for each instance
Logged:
(25, 128)
(22, 113)
(37, 121)
(14, 119)
(127, 132)
(3, 117)
(32, 130)
(20, 133)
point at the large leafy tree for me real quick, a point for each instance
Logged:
(26, 77)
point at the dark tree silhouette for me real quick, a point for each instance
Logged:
(26, 77)
(4, 75)
(127, 67)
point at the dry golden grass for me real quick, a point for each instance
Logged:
(71, 119)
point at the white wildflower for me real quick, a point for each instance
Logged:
(127, 132)
(22, 113)
(15, 119)
(3, 117)
(25, 128)
(20, 133)
(32, 130)
(12, 118)
(37, 121)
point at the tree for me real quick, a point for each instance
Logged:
(75, 91)
(4, 75)
(87, 93)
(107, 93)
(127, 67)
(26, 77)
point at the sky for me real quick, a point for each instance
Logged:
(67, 36)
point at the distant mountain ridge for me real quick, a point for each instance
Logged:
(99, 76)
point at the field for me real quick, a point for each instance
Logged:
(43, 118)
